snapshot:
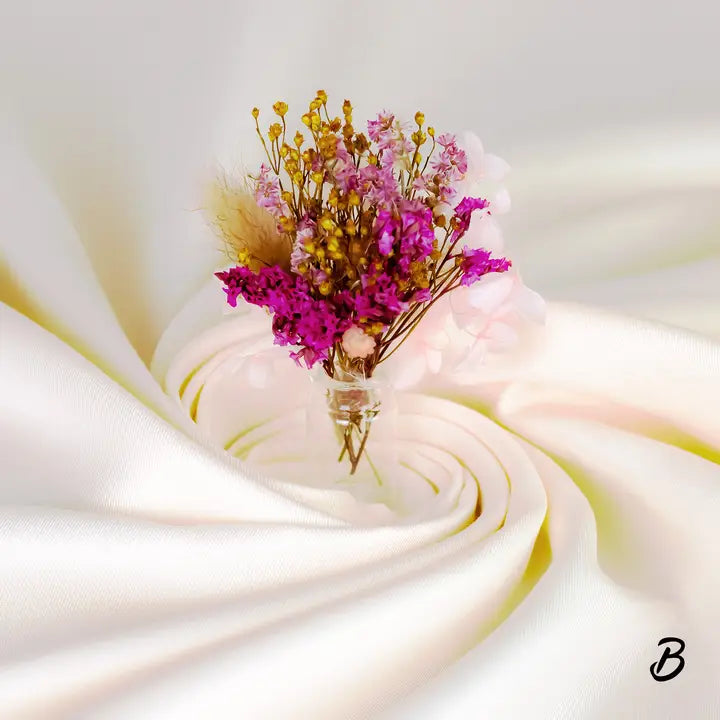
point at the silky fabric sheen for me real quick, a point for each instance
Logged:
(171, 546)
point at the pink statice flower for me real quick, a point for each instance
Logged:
(305, 232)
(449, 167)
(298, 318)
(382, 123)
(386, 227)
(379, 186)
(421, 184)
(417, 232)
(344, 171)
(464, 211)
(476, 263)
(380, 299)
(390, 138)
(267, 193)
(300, 258)
(264, 288)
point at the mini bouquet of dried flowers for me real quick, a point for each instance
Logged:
(348, 240)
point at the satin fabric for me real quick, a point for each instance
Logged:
(171, 546)
(555, 518)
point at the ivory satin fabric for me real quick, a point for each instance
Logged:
(169, 547)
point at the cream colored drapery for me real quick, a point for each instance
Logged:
(147, 573)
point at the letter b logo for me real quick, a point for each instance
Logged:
(657, 667)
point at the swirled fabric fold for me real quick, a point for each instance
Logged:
(172, 547)
(554, 518)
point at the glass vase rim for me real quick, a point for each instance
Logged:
(376, 380)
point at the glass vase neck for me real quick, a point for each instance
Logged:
(355, 415)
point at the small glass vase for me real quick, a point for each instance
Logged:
(353, 418)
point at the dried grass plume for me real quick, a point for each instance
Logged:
(249, 232)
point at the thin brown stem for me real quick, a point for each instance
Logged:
(360, 450)
(406, 330)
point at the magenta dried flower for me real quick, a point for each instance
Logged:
(476, 263)
(464, 210)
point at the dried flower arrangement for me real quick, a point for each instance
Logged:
(348, 240)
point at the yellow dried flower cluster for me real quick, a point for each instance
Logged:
(313, 180)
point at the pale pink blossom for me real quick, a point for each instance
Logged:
(484, 176)
(464, 326)
(424, 350)
(305, 232)
(356, 343)
(484, 232)
(482, 166)
(489, 314)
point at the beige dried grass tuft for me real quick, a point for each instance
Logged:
(249, 232)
